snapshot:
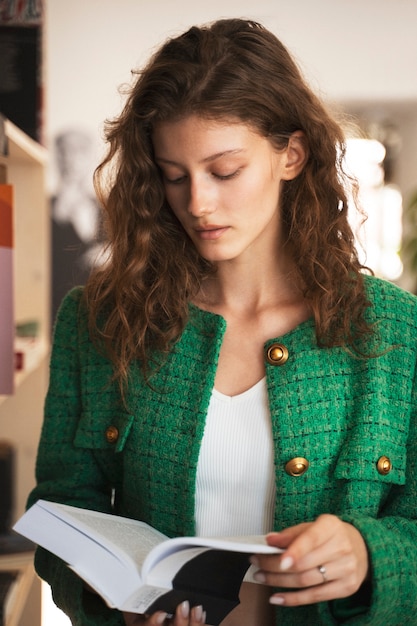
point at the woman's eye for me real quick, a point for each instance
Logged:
(226, 176)
(174, 181)
(178, 180)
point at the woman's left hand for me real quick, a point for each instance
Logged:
(322, 560)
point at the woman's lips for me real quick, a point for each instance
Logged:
(211, 232)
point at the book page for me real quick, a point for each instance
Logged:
(128, 539)
(73, 541)
(251, 544)
(164, 571)
(143, 598)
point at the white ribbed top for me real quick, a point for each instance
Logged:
(235, 490)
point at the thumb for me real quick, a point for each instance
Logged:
(284, 538)
(277, 540)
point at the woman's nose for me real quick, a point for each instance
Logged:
(200, 199)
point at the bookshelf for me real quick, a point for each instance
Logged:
(25, 170)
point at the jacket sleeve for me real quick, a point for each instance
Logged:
(67, 473)
(391, 539)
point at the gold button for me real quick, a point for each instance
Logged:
(112, 434)
(297, 466)
(277, 354)
(384, 465)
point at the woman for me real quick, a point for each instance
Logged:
(231, 369)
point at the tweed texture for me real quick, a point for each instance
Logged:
(340, 412)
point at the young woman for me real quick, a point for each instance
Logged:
(232, 368)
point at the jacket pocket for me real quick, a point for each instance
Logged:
(380, 459)
(103, 432)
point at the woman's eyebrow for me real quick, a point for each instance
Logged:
(208, 159)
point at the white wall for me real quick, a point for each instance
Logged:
(350, 50)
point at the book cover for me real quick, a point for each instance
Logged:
(6, 291)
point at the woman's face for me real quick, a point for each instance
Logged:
(222, 181)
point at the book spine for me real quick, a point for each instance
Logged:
(6, 290)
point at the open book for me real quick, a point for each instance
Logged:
(136, 568)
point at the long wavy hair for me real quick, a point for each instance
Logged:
(138, 299)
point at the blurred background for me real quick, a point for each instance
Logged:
(360, 55)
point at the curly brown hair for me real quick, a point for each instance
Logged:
(138, 300)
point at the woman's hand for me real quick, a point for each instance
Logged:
(323, 560)
(184, 616)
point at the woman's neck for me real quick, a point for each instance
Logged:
(241, 287)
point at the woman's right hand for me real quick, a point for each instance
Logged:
(184, 616)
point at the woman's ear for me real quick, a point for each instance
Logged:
(297, 155)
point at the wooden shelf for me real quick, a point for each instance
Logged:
(22, 148)
(21, 565)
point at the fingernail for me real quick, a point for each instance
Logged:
(160, 619)
(286, 563)
(276, 600)
(254, 560)
(198, 613)
(185, 608)
(259, 577)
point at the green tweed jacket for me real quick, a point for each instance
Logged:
(353, 419)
